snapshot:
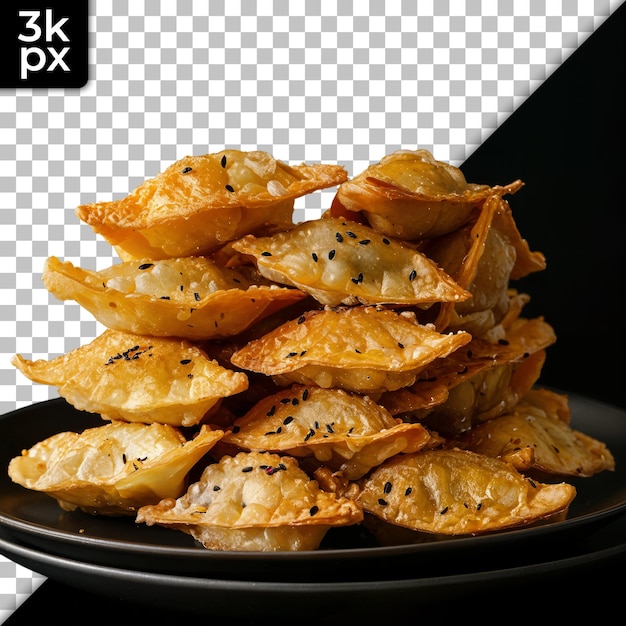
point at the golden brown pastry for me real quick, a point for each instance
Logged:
(254, 501)
(478, 382)
(363, 348)
(531, 438)
(342, 262)
(458, 492)
(112, 469)
(138, 379)
(200, 202)
(483, 256)
(344, 431)
(188, 297)
(410, 195)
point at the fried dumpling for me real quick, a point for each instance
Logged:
(482, 257)
(345, 431)
(458, 492)
(138, 379)
(112, 469)
(188, 297)
(254, 501)
(342, 262)
(411, 196)
(201, 202)
(530, 438)
(477, 383)
(364, 349)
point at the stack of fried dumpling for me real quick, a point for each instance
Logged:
(372, 366)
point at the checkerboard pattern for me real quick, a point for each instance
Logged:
(343, 81)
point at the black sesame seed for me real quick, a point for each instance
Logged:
(145, 266)
(230, 188)
(314, 256)
(223, 161)
(313, 510)
(331, 255)
(196, 295)
(386, 241)
(443, 511)
(266, 253)
(387, 487)
(339, 237)
(305, 394)
(382, 502)
(301, 319)
(408, 491)
(288, 420)
(364, 242)
(350, 234)
(186, 170)
(271, 411)
(247, 469)
(185, 361)
(412, 275)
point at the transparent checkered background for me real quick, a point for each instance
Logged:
(343, 81)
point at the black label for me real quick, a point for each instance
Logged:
(44, 44)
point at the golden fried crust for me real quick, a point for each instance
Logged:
(112, 469)
(254, 501)
(201, 202)
(410, 195)
(188, 297)
(138, 379)
(478, 382)
(457, 492)
(482, 256)
(343, 262)
(345, 431)
(532, 439)
(363, 349)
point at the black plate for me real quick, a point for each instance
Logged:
(247, 599)
(34, 519)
